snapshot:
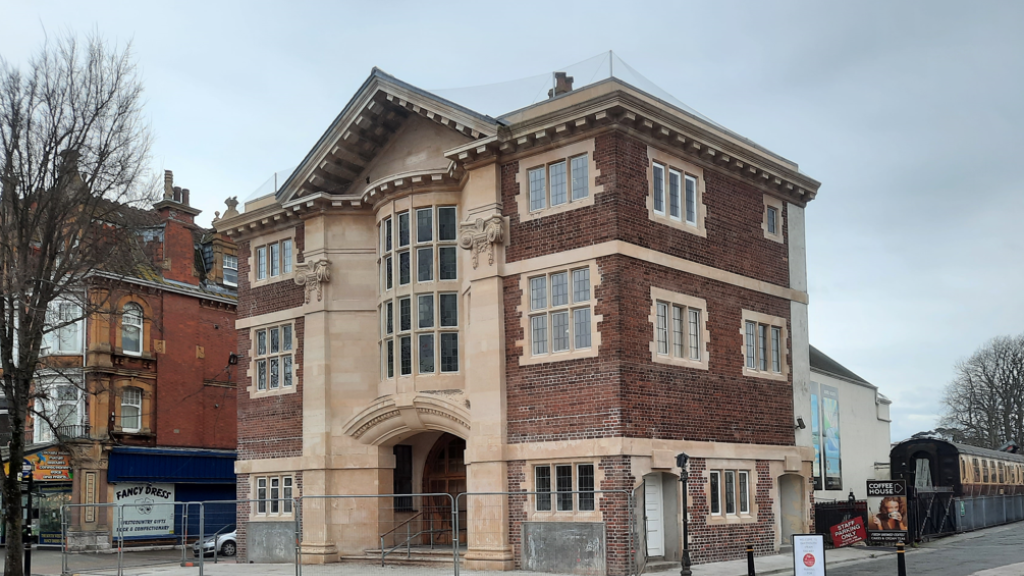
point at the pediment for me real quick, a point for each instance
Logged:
(388, 127)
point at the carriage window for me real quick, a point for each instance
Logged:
(984, 471)
(963, 471)
(1002, 473)
(977, 470)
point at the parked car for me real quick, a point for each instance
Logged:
(225, 543)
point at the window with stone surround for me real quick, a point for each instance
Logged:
(273, 258)
(273, 353)
(680, 329)
(274, 495)
(676, 192)
(764, 346)
(557, 180)
(131, 409)
(729, 492)
(230, 270)
(772, 222)
(428, 322)
(564, 487)
(560, 315)
(424, 247)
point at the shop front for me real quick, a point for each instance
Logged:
(52, 479)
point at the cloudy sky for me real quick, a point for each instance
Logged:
(909, 113)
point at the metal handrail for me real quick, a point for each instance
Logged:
(409, 537)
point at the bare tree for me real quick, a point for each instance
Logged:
(985, 401)
(74, 153)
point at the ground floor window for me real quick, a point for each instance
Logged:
(274, 495)
(729, 492)
(572, 484)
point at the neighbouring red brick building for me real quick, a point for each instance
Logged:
(557, 301)
(144, 395)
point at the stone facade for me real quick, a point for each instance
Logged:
(436, 230)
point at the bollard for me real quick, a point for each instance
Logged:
(750, 561)
(901, 561)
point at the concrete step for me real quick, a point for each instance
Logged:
(417, 556)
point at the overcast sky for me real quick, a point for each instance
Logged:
(909, 113)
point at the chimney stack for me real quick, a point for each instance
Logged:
(563, 85)
(168, 184)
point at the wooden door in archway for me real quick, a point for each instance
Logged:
(445, 473)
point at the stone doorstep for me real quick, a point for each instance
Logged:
(418, 556)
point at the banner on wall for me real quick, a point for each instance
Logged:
(816, 434)
(50, 465)
(148, 510)
(831, 438)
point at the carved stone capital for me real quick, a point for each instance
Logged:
(482, 235)
(313, 275)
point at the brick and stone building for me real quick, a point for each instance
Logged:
(139, 393)
(562, 298)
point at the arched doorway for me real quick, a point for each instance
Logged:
(445, 473)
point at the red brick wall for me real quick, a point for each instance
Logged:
(721, 542)
(190, 412)
(623, 393)
(735, 240)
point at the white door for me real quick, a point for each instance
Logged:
(655, 516)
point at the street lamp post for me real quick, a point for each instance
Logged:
(684, 474)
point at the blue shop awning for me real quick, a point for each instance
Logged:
(169, 465)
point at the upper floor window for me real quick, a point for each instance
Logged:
(131, 409)
(560, 311)
(680, 329)
(274, 259)
(64, 320)
(274, 358)
(764, 345)
(676, 192)
(230, 270)
(772, 220)
(59, 407)
(132, 329)
(427, 339)
(559, 182)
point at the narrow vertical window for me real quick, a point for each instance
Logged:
(286, 495)
(776, 349)
(261, 495)
(447, 262)
(542, 486)
(404, 268)
(275, 495)
(694, 339)
(537, 192)
(585, 486)
(772, 216)
(691, 200)
(662, 328)
(581, 285)
(677, 331)
(405, 352)
(559, 289)
(426, 353)
(556, 173)
(730, 492)
(563, 484)
(131, 409)
(132, 329)
(659, 189)
(261, 375)
(674, 200)
(539, 334)
(388, 279)
(716, 492)
(387, 235)
(560, 331)
(426, 310)
(275, 259)
(230, 270)
(744, 493)
(449, 309)
(286, 371)
(538, 293)
(389, 349)
(751, 343)
(403, 229)
(580, 181)
(449, 351)
(424, 264)
(286, 256)
(447, 224)
(425, 225)
(389, 317)
(762, 346)
(404, 314)
(581, 317)
(275, 372)
(261, 262)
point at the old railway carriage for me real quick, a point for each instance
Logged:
(970, 471)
